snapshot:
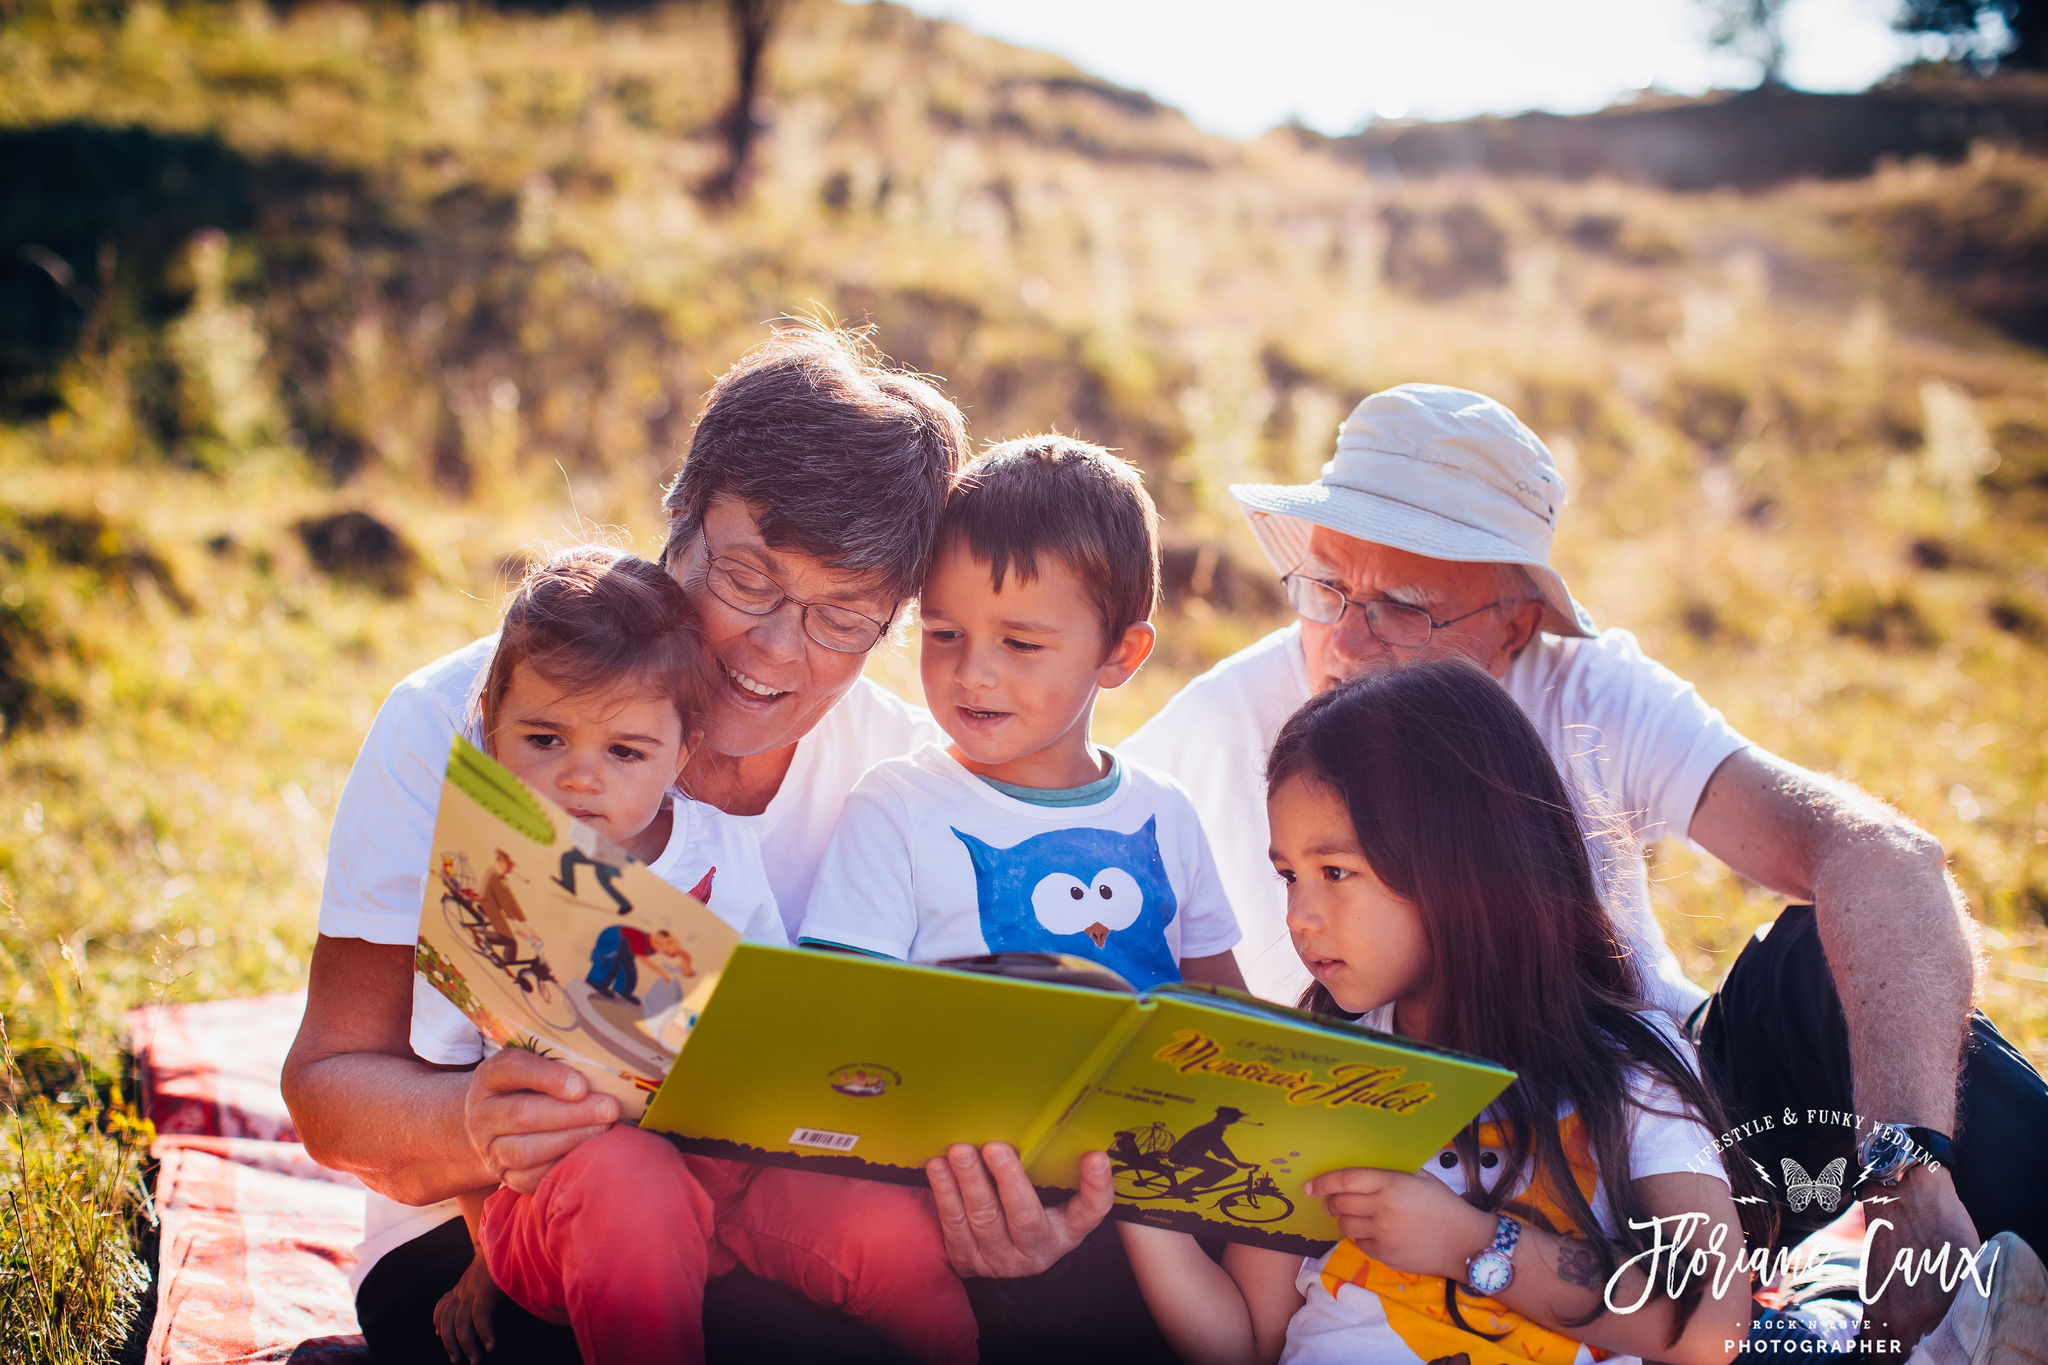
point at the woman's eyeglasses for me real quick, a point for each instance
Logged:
(747, 589)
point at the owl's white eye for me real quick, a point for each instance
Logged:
(1063, 903)
(1114, 897)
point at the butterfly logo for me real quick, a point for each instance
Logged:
(1824, 1189)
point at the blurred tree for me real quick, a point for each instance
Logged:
(1972, 29)
(753, 23)
(1752, 29)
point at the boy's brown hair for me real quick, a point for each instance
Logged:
(591, 618)
(1058, 496)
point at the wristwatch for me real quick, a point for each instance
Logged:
(1493, 1269)
(1889, 1150)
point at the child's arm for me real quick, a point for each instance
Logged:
(1217, 969)
(463, 1316)
(1415, 1223)
(1212, 1314)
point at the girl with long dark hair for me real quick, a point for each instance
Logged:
(1438, 886)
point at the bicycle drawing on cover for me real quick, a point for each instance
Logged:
(487, 917)
(1151, 1163)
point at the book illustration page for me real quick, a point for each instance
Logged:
(548, 936)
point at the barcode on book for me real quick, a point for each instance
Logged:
(818, 1137)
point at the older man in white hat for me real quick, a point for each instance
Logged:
(1429, 533)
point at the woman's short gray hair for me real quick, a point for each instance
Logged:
(840, 457)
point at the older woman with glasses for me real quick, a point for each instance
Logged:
(803, 520)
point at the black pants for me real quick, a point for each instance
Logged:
(1774, 1044)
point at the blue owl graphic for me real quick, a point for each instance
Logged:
(1090, 892)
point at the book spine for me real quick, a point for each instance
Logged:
(1091, 1070)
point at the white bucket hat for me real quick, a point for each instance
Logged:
(1436, 471)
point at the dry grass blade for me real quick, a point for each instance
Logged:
(71, 1193)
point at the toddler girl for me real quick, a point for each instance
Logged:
(593, 698)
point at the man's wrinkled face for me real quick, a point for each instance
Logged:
(1443, 588)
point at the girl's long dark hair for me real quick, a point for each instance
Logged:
(1460, 809)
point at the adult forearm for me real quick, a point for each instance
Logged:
(1897, 938)
(1900, 946)
(395, 1123)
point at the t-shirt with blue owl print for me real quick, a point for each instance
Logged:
(929, 862)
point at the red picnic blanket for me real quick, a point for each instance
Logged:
(256, 1241)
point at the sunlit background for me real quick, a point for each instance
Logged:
(1333, 65)
(316, 319)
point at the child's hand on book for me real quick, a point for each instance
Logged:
(524, 1113)
(1408, 1221)
(463, 1316)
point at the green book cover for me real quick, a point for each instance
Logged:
(1214, 1107)
(868, 1067)
(1217, 1108)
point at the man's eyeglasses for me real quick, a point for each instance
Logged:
(747, 589)
(1392, 623)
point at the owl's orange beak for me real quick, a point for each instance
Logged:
(1097, 932)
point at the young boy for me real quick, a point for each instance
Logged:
(1023, 834)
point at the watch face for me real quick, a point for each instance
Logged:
(1489, 1272)
(1884, 1152)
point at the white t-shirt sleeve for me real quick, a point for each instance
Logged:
(862, 897)
(1208, 926)
(384, 824)
(1664, 1135)
(1665, 740)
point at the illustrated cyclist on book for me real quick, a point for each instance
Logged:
(500, 908)
(1203, 1158)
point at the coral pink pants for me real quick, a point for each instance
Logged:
(623, 1232)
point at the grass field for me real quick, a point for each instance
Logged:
(453, 269)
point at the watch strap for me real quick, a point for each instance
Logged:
(1937, 1145)
(1506, 1233)
(1908, 1146)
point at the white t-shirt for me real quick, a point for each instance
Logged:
(1127, 881)
(1358, 1323)
(1634, 741)
(384, 826)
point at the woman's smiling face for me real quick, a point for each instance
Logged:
(769, 682)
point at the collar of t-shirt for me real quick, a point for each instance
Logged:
(1087, 794)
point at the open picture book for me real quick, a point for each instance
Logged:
(1213, 1106)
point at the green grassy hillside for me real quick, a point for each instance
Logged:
(453, 269)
